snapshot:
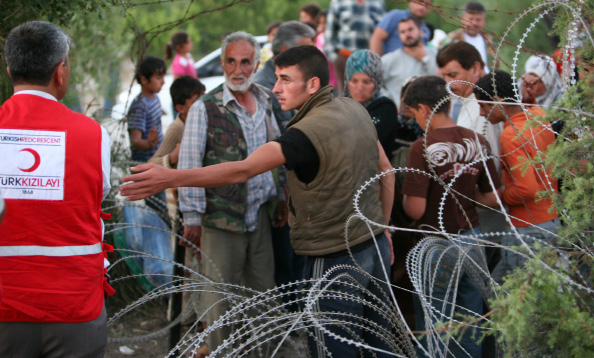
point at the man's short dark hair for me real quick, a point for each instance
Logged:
(503, 86)
(33, 50)
(474, 7)
(309, 60)
(149, 66)
(311, 9)
(273, 25)
(428, 90)
(185, 87)
(409, 18)
(460, 51)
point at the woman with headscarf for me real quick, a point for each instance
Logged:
(541, 83)
(363, 82)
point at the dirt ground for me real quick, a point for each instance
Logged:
(141, 321)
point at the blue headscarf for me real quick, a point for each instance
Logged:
(369, 63)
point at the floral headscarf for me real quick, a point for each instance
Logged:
(369, 63)
(546, 69)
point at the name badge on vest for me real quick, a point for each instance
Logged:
(33, 164)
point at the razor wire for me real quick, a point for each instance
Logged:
(262, 324)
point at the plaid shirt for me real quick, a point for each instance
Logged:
(349, 25)
(260, 188)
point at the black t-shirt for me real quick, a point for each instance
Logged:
(384, 115)
(300, 154)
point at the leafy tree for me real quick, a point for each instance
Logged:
(547, 307)
(60, 12)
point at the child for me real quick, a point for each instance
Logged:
(450, 149)
(144, 116)
(321, 21)
(529, 214)
(185, 90)
(266, 53)
(183, 63)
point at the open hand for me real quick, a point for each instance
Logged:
(149, 180)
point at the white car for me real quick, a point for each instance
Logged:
(209, 72)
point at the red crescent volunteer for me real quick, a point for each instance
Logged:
(51, 249)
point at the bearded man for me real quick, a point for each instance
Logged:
(231, 223)
(413, 59)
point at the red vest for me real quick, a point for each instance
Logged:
(51, 256)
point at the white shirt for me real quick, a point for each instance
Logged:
(399, 65)
(471, 118)
(479, 43)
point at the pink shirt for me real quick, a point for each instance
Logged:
(182, 66)
(320, 45)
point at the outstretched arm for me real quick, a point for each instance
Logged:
(151, 179)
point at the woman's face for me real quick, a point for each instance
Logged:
(361, 87)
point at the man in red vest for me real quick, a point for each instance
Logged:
(55, 174)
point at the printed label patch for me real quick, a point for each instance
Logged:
(33, 164)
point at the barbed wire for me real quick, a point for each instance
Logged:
(263, 324)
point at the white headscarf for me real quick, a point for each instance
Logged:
(546, 69)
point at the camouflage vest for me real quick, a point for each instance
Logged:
(225, 142)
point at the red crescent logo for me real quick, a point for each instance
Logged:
(37, 160)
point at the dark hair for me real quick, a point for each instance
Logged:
(289, 34)
(406, 84)
(428, 90)
(460, 51)
(313, 26)
(504, 87)
(321, 14)
(474, 7)
(310, 61)
(149, 66)
(177, 39)
(33, 50)
(273, 25)
(409, 18)
(185, 87)
(311, 9)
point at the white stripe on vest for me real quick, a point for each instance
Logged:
(34, 250)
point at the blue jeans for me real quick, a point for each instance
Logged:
(467, 297)
(327, 307)
(288, 266)
(509, 259)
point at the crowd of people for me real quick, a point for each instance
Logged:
(266, 166)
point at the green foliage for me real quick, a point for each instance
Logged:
(500, 16)
(60, 12)
(546, 308)
(540, 314)
(206, 20)
(571, 160)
